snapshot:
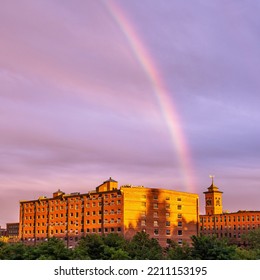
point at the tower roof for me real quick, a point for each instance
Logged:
(213, 188)
(110, 180)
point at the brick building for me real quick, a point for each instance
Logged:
(12, 232)
(3, 232)
(224, 224)
(163, 214)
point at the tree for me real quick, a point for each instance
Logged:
(14, 251)
(142, 247)
(252, 239)
(210, 248)
(89, 247)
(177, 252)
(53, 249)
(115, 247)
(247, 254)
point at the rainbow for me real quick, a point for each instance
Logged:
(168, 110)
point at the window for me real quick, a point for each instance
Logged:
(179, 224)
(168, 232)
(143, 204)
(178, 198)
(143, 223)
(179, 207)
(180, 241)
(155, 206)
(156, 231)
(167, 223)
(179, 232)
(167, 214)
(180, 216)
(155, 223)
(155, 214)
(155, 197)
(167, 206)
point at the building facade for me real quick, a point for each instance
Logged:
(12, 231)
(224, 224)
(163, 214)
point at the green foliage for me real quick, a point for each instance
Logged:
(96, 247)
(211, 248)
(142, 247)
(177, 252)
(14, 251)
(245, 254)
(89, 247)
(53, 249)
(252, 239)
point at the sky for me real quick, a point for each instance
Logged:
(154, 93)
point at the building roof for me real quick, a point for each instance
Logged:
(110, 180)
(213, 188)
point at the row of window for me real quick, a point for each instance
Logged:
(143, 223)
(95, 230)
(230, 227)
(156, 223)
(75, 214)
(94, 213)
(167, 206)
(88, 230)
(76, 207)
(231, 218)
(226, 234)
(156, 197)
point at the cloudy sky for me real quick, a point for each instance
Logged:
(154, 93)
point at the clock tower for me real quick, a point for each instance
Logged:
(213, 200)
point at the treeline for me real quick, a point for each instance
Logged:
(140, 247)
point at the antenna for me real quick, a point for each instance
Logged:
(212, 178)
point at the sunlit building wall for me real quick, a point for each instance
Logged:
(163, 214)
